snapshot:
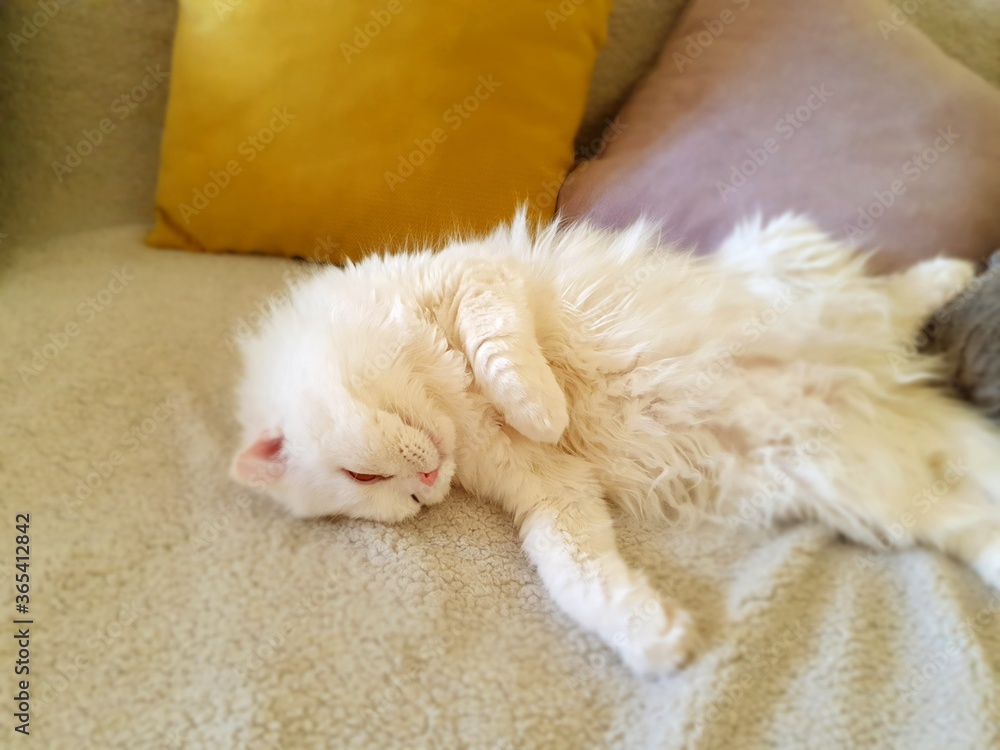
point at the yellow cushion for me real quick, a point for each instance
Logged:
(331, 129)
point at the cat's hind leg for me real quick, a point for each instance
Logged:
(947, 486)
(921, 290)
(965, 524)
(959, 512)
(916, 468)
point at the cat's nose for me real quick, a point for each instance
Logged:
(428, 477)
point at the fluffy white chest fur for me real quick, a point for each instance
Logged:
(557, 371)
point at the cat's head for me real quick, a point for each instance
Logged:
(344, 401)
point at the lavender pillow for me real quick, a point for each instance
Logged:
(839, 110)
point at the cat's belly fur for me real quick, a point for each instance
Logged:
(760, 441)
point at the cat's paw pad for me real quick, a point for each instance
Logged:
(662, 645)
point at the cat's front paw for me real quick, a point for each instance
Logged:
(539, 413)
(659, 642)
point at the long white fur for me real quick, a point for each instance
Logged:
(555, 370)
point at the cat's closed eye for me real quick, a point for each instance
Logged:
(365, 478)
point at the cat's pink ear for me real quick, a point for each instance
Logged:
(262, 462)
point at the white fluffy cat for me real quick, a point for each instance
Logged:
(557, 371)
